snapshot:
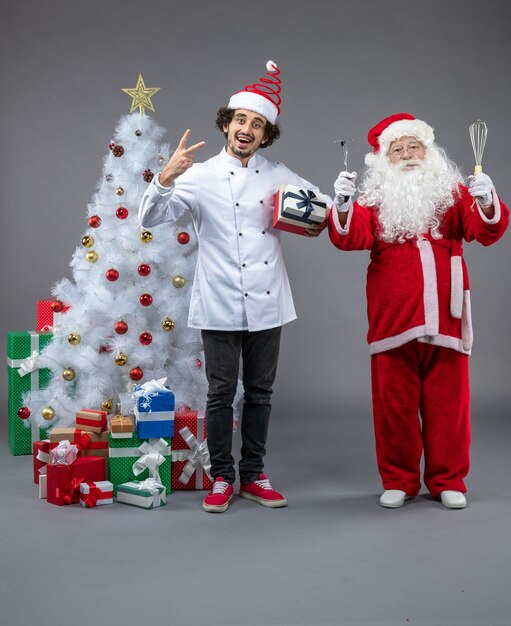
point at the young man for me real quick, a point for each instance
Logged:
(241, 295)
(413, 214)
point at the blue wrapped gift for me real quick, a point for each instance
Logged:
(154, 410)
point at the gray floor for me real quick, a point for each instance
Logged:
(332, 557)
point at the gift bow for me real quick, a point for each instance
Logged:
(153, 485)
(151, 458)
(64, 454)
(197, 455)
(306, 201)
(67, 492)
(43, 457)
(30, 364)
(149, 388)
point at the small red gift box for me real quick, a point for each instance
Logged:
(97, 493)
(63, 481)
(90, 420)
(182, 454)
(46, 316)
(41, 455)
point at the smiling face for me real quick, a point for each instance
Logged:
(407, 152)
(245, 133)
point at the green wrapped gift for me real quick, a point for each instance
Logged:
(146, 494)
(139, 459)
(23, 349)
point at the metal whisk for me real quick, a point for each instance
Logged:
(478, 133)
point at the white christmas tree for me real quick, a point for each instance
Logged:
(127, 321)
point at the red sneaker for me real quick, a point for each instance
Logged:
(217, 500)
(261, 491)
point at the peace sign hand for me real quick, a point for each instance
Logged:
(181, 160)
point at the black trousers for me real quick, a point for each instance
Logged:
(260, 352)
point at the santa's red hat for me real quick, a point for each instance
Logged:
(262, 97)
(395, 126)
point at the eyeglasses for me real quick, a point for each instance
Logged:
(398, 150)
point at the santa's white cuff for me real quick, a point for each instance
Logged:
(337, 223)
(496, 205)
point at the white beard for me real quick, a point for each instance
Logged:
(411, 202)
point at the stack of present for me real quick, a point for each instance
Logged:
(296, 209)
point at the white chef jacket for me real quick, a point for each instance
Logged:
(240, 281)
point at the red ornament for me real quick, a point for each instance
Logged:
(183, 238)
(198, 363)
(112, 275)
(144, 269)
(145, 338)
(121, 327)
(57, 306)
(94, 221)
(24, 412)
(105, 349)
(111, 145)
(146, 299)
(136, 373)
(122, 213)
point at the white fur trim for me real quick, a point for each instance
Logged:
(496, 205)
(445, 341)
(406, 128)
(254, 102)
(337, 223)
(431, 315)
(467, 333)
(271, 66)
(456, 287)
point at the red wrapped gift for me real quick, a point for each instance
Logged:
(92, 421)
(190, 455)
(63, 481)
(97, 493)
(89, 444)
(47, 318)
(41, 455)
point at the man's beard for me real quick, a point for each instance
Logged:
(411, 201)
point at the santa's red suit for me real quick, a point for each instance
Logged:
(420, 336)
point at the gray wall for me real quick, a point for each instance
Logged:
(345, 65)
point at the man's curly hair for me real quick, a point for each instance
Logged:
(224, 118)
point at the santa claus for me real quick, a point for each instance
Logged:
(413, 214)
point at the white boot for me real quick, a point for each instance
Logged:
(393, 498)
(453, 499)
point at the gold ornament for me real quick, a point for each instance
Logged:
(141, 96)
(74, 339)
(107, 406)
(68, 374)
(91, 256)
(48, 413)
(87, 241)
(178, 282)
(146, 236)
(167, 325)
(161, 160)
(119, 191)
(121, 359)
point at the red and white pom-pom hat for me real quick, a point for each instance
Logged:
(262, 97)
(393, 127)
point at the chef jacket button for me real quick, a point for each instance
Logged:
(246, 295)
(243, 265)
(231, 173)
(257, 171)
(266, 262)
(237, 203)
(268, 292)
(264, 232)
(241, 234)
(260, 201)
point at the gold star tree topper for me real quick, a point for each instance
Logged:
(141, 96)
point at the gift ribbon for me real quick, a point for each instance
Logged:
(66, 492)
(306, 201)
(197, 455)
(150, 387)
(151, 458)
(98, 423)
(95, 494)
(43, 457)
(153, 485)
(34, 374)
(122, 421)
(64, 454)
